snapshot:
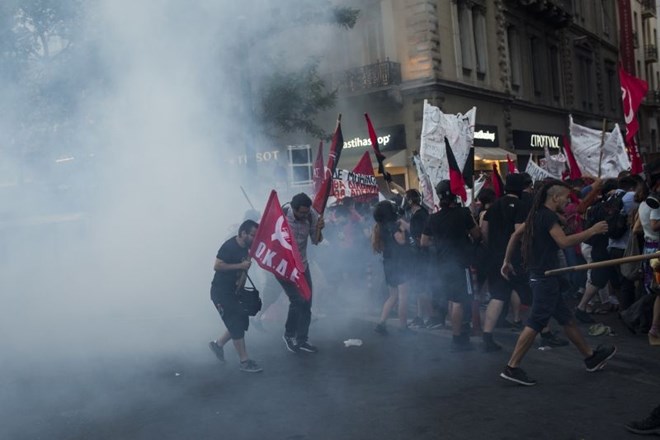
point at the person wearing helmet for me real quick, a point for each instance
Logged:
(451, 231)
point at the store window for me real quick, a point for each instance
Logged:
(300, 165)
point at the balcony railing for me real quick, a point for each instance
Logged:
(652, 98)
(372, 76)
(651, 53)
(648, 8)
(554, 12)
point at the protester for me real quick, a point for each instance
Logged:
(305, 223)
(417, 217)
(542, 237)
(389, 239)
(231, 264)
(452, 231)
(499, 222)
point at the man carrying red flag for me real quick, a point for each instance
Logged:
(280, 247)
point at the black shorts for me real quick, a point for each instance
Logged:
(232, 313)
(500, 288)
(548, 303)
(453, 282)
(396, 273)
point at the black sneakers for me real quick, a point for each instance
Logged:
(602, 354)
(290, 344)
(550, 339)
(583, 317)
(434, 323)
(381, 329)
(517, 375)
(417, 322)
(650, 425)
(250, 366)
(218, 351)
(306, 346)
(491, 346)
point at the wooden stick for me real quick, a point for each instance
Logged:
(602, 142)
(599, 264)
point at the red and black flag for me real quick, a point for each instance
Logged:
(321, 197)
(456, 181)
(317, 176)
(380, 157)
(498, 185)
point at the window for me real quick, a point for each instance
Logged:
(606, 9)
(300, 165)
(537, 65)
(480, 41)
(611, 86)
(555, 69)
(514, 58)
(467, 37)
(586, 81)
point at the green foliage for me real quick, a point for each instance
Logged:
(290, 100)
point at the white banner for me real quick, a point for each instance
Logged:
(459, 131)
(537, 172)
(585, 144)
(349, 184)
(425, 186)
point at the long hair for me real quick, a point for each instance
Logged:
(539, 200)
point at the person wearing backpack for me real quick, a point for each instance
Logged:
(609, 209)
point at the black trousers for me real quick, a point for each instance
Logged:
(300, 310)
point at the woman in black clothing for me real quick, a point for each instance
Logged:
(389, 238)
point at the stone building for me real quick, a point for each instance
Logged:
(525, 64)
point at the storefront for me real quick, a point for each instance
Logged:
(487, 150)
(532, 144)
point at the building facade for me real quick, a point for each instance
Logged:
(525, 64)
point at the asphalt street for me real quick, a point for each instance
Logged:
(392, 387)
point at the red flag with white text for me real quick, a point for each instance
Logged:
(633, 91)
(276, 251)
(637, 166)
(321, 197)
(380, 157)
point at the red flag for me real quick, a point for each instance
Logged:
(636, 161)
(498, 185)
(275, 249)
(633, 91)
(321, 197)
(572, 164)
(374, 143)
(317, 176)
(364, 165)
(511, 165)
(456, 181)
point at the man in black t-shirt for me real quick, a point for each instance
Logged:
(452, 231)
(231, 265)
(542, 237)
(417, 216)
(500, 221)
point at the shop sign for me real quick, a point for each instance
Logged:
(261, 156)
(485, 136)
(389, 139)
(528, 140)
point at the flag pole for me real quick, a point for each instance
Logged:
(602, 143)
(247, 198)
(318, 230)
(600, 264)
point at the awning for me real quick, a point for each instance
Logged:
(399, 159)
(485, 153)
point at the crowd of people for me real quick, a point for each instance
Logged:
(495, 254)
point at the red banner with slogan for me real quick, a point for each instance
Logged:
(276, 251)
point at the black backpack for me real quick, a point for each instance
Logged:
(609, 210)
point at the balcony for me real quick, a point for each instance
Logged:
(558, 13)
(652, 98)
(651, 53)
(648, 8)
(379, 75)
